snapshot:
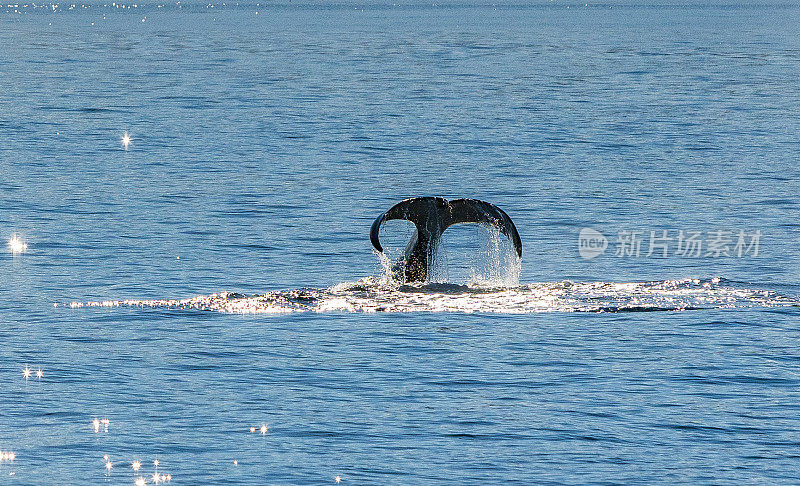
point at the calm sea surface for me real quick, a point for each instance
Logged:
(264, 141)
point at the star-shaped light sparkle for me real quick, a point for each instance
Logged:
(126, 140)
(16, 245)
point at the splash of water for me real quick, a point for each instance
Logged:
(438, 268)
(501, 265)
(390, 273)
(375, 295)
(491, 260)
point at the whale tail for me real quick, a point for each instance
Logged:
(431, 217)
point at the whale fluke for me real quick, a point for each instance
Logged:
(432, 216)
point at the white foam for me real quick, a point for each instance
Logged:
(377, 295)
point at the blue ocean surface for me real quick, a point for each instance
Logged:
(206, 295)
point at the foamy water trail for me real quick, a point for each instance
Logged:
(373, 295)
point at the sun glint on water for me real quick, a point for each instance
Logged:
(16, 245)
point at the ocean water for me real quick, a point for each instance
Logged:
(216, 274)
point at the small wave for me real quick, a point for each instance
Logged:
(375, 295)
